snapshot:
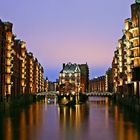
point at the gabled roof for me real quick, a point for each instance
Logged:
(71, 68)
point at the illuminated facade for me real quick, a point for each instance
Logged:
(18, 67)
(103, 83)
(75, 77)
(29, 73)
(20, 72)
(5, 57)
(69, 78)
(41, 78)
(98, 84)
(34, 75)
(126, 60)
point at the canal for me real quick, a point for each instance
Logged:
(96, 120)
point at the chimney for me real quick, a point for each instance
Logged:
(63, 65)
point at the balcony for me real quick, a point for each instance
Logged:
(136, 64)
(23, 70)
(8, 63)
(31, 80)
(133, 38)
(135, 56)
(22, 65)
(134, 47)
(134, 28)
(22, 76)
(8, 71)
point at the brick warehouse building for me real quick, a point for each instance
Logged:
(126, 60)
(84, 77)
(98, 84)
(20, 72)
(74, 78)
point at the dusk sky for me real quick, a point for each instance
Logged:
(61, 31)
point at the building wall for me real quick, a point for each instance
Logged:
(5, 62)
(20, 72)
(98, 84)
(18, 67)
(46, 85)
(109, 80)
(35, 76)
(84, 77)
(70, 79)
(126, 59)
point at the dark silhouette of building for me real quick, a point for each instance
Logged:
(84, 77)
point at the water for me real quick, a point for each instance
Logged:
(96, 120)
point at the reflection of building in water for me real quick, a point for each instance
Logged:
(72, 117)
(8, 132)
(33, 119)
(106, 111)
(100, 100)
(23, 133)
(21, 125)
(123, 126)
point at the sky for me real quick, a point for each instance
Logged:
(62, 31)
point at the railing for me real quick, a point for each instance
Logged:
(103, 94)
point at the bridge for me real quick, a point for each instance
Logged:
(50, 97)
(53, 94)
(47, 94)
(102, 94)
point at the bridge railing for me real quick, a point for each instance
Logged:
(100, 94)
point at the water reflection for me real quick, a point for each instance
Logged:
(71, 120)
(19, 124)
(99, 119)
(8, 127)
(126, 124)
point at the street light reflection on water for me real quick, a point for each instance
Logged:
(98, 119)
